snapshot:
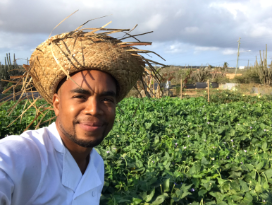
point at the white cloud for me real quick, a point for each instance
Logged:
(180, 13)
(3, 2)
(154, 22)
(265, 3)
(260, 30)
(203, 48)
(176, 47)
(229, 51)
(231, 7)
(191, 30)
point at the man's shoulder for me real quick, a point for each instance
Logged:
(28, 141)
(23, 155)
(23, 158)
(27, 149)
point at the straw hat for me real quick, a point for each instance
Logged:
(62, 55)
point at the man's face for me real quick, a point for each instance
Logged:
(85, 116)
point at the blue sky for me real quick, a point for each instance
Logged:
(187, 32)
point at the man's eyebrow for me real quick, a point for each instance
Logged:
(86, 92)
(80, 91)
(108, 93)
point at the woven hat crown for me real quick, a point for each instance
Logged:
(62, 55)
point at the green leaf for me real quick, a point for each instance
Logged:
(204, 161)
(194, 203)
(202, 192)
(268, 173)
(219, 197)
(221, 181)
(235, 185)
(185, 194)
(159, 200)
(243, 185)
(143, 195)
(222, 203)
(249, 166)
(148, 125)
(136, 200)
(210, 203)
(235, 175)
(258, 187)
(139, 164)
(264, 146)
(260, 166)
(196, 182)
(150, 196)
(236, 198)
(265, 186)
(166, 185)
(185, 188)
(247, 199)
(156, 140)
(232, 132)
(262, 125)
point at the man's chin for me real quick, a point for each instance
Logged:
(89, 142)
(88, 136)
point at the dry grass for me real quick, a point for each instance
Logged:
(246, 79)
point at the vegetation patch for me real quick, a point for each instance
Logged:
(173, 151)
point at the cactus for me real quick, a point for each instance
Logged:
(201, 74)
(9, 69)
(264, 72)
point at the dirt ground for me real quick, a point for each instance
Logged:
(247, 89)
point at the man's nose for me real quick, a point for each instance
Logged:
(93, 106)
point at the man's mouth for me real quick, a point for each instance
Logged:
(91, 126)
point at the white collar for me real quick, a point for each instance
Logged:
(71, 174)
(55, 138)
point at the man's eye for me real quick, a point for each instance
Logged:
(79, 96)
(108, 100)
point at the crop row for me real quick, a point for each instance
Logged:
(173, 151)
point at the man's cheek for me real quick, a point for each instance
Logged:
(71, 109)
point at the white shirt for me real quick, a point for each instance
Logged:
(36, 168)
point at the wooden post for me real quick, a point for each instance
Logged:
(154, 93)
(181, 89)
(158, 91)
(266, 56)
(237, 56)
(14, 97)
(208, 90)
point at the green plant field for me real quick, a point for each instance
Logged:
(187, 151)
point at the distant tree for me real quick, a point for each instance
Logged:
(225, 66)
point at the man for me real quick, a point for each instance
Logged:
(83, 76)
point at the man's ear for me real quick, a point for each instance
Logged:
(56, 103)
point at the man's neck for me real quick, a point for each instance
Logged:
(79, 153)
